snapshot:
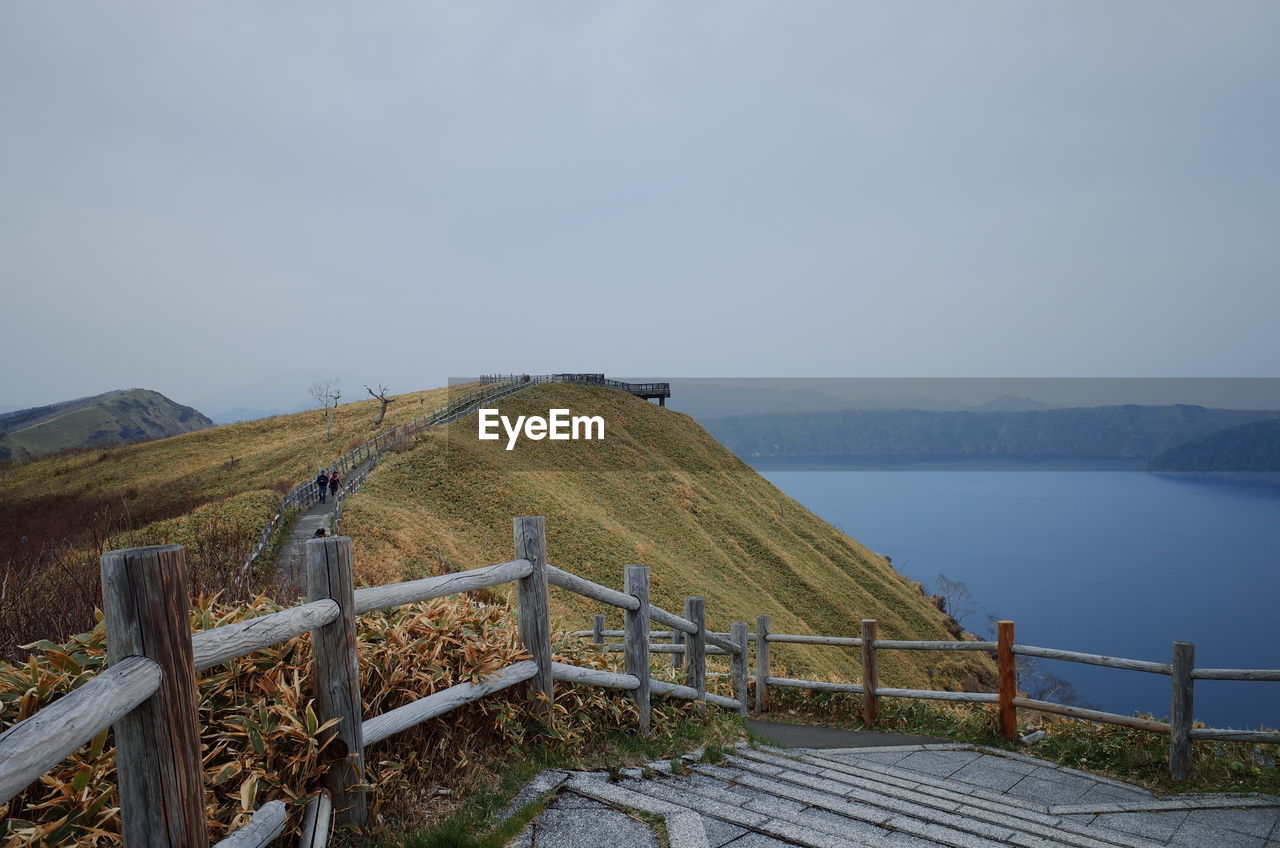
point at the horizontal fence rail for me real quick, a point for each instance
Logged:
(1093, 659)
(36, 744)
(595, 591)
(232, 641)
(410, 715)
(263, 828)
(415, 591)
(1092, 715)
(1235, 674)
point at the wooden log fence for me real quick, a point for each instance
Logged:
(147, 601)
(738, 664)
(316, 820)
(763, 626)
(636, 580)
(870, 671)
(1007, 700)
(148, 692)
(335, 672)
(262, 829)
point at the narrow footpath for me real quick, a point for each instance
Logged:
(290, 565)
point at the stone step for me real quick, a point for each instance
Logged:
(1005, 758)
(648, 796)
(684, 827)
(771, 774)
(983, 804)
(879, 776)
(955, 790)
(771, 816)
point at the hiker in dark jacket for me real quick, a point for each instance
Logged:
(333, 484)
(322, 484)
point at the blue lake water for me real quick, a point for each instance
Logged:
(1109, 562)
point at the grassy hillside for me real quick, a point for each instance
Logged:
(211, 489)
(169, 477)
(658, 491)
(121, 416)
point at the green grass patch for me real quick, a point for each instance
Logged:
(470, 823)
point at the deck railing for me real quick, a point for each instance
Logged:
(147, 694)
(648, 390)
(1181, 669)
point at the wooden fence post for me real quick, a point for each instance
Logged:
(336, 671)
(1184, 660)
(1008, 680)
(534, 616)
(870, 673)
(677, 638)
(738, 663)
(147, 603)
(695, 675)
(597, 630)
(762, 663)
(636, 584)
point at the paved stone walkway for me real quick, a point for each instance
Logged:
(291, 563)
(913, 796)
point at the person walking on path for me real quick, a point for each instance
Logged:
(322, 484)
(333, 484)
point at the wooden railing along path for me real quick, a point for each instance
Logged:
(1181, 669)
(148, 692)
(354, 465)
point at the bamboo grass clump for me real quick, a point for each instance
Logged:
(259, 727)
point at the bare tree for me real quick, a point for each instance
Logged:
(956, 599)
(1043, 685)
(326, 393)
(381, 396)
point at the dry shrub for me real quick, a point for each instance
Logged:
(49, 590)
(259, 726)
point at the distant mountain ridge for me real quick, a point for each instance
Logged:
(704, 401)
(1249, 452)
(124, 415)
(1105, 431)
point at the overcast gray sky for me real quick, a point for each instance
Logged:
(227, 201)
